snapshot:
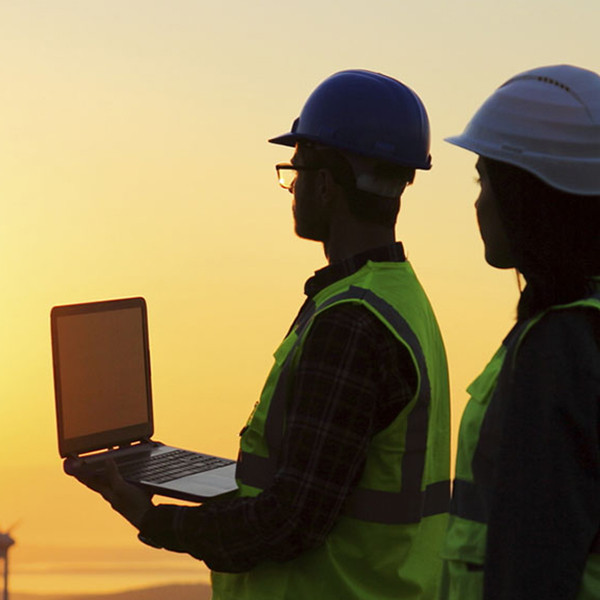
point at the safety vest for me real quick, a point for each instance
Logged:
(386, 544)
(465, 542)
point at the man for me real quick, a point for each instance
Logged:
(344, 464)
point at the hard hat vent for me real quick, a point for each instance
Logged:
(542, 79)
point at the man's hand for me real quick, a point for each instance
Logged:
(128, 500)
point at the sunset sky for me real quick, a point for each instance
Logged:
(134, 161)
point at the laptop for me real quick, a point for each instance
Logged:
(102, 385)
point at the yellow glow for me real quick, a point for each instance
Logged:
(133, 161)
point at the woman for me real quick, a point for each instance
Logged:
(525, 520)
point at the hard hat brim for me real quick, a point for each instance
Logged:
(580, 178)
(287, 139)
(291, 139)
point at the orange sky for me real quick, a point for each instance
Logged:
(133, 161)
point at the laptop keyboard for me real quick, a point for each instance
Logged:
(167, 466)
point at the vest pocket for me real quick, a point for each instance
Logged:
(465, 541)
(461, 581)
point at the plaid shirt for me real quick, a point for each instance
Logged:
(353, 379)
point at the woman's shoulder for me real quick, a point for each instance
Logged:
(556, 363)
(569, 331)
(572, 319)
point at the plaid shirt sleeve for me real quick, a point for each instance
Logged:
(353, 379)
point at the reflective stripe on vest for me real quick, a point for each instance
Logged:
(467, 502)
(390, 508)
(403, 507)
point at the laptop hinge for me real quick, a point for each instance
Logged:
(139, 442)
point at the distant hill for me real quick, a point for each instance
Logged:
(168, 592)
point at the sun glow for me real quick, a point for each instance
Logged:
(133, 161)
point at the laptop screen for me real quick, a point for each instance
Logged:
(101, 374)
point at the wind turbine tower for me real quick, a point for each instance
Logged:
(5, 543)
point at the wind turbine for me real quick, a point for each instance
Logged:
(5, 543)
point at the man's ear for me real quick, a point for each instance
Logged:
(322, 183)
(328, 189)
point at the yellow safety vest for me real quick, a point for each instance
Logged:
(465, 542)
(386, 544)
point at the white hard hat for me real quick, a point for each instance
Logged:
(545, 121)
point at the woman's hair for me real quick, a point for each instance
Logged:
(366, 206)
(554, 236)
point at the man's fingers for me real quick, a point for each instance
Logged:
(129, 500)
(94, 481)
(112, 472)
(105, 481)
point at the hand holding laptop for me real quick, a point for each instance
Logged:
(129, 500)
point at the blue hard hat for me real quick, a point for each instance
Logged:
(368, 114)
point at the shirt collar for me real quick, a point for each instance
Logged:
(344, 268)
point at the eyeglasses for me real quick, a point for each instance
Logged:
(287, 174)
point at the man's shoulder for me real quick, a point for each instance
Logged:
(355, 324)
(352, 313)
